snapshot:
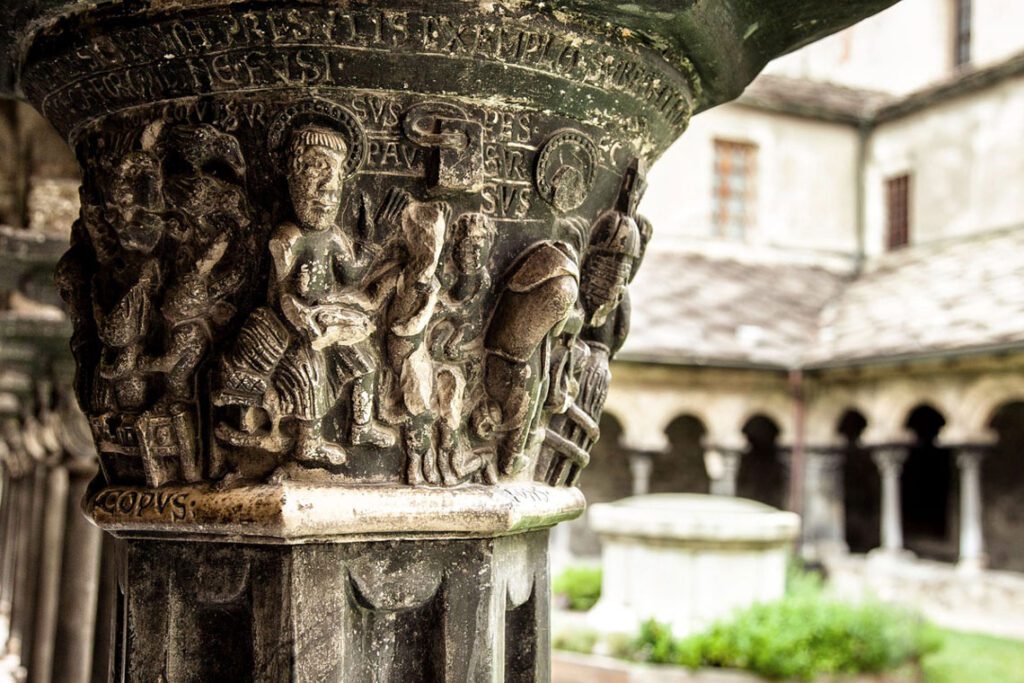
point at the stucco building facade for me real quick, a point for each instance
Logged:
(833, 306)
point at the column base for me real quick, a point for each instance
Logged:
(972, 565)
(305, 582)
(891, 555)
(426, 610)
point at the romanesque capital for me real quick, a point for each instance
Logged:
(889, 458)
(303, 268)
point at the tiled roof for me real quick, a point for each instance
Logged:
(695, 309)
(949, 296)
(814, 98)
(953, 296)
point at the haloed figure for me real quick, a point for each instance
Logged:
(317, 287)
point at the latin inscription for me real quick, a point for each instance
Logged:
(527, 494)
(312, 46)
(171, 506)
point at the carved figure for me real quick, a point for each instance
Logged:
(617, 245)
(316, 336)
(466, 284)
(122, 303)
(418, 238)
(533, 307)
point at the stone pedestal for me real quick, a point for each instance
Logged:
(345, 287)
(687, 560)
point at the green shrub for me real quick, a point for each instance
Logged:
(579, 586)
(804, 635)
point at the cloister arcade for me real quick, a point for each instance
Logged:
(920, 460)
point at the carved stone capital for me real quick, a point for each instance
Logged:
(890, 458)
(291, 266)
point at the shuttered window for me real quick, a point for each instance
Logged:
(962, 33)
(897, 192)
(734, 188)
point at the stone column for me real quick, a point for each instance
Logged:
(25, 546)
(345, 287)
(824, 524)
(723, 467)
(81, 559)
(641, 463)
(972, 536)
(889, 460)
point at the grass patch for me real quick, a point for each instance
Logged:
(972, 658)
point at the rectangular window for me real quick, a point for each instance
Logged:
(734, 188)
(962, 34)
(897, 202)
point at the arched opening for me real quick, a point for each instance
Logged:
(926, 488)
(607, 478)
(1002, 480)
(681, 468)
(762, 475)
(861, 486)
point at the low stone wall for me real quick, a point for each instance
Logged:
(569, 667)
(989, 602)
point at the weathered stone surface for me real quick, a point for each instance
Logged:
(424, 610)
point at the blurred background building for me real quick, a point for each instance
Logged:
(831, 314)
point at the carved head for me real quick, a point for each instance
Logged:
(608, 265)
(474, 236)
(316, 175)
(136, 201)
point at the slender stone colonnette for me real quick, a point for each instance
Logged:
(345, 287)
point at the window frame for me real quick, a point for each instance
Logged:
(897, 210)
(728, 154)
(963, 33)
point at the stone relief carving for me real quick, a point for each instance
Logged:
(362, 291)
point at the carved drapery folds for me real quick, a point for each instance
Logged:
(362, 286)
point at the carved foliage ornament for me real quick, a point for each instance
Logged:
(366, 288)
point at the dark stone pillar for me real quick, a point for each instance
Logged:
(824, 523)
(345, 287)
(444, 610)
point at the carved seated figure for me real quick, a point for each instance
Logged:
(315, 338)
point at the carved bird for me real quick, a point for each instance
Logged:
(205, 148)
